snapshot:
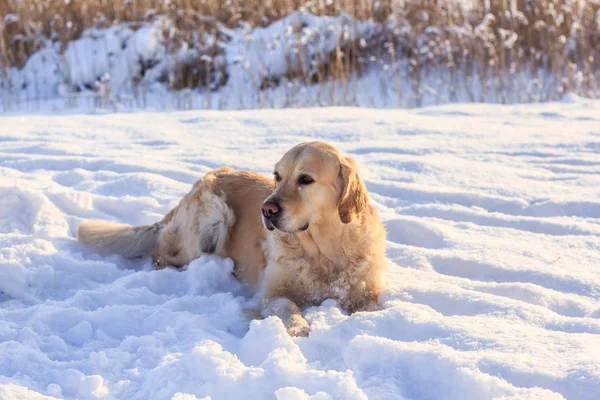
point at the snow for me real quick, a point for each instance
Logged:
(115, 54)
(493, 219)
(271, 52)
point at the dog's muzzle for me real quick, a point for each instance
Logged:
(268, 224)
(271, 212)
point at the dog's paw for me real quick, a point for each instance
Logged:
(297, 326)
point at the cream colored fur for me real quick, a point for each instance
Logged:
(341, 255)
(110, 238)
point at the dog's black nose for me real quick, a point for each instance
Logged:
(270, 208)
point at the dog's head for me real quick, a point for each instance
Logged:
(313, 183)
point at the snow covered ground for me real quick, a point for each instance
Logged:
(493, 219)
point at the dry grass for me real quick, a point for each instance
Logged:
(552, 45)
(64, 20)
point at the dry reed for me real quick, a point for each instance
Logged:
(503, 50)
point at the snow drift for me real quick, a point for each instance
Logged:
(493, 223)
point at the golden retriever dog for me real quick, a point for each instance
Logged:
(319, 237)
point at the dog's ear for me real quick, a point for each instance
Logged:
(354, 198)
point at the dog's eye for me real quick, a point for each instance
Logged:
(277, 176)
(305, 180)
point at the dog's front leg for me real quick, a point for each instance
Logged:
(289, 313)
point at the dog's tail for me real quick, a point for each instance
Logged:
(110, 238)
